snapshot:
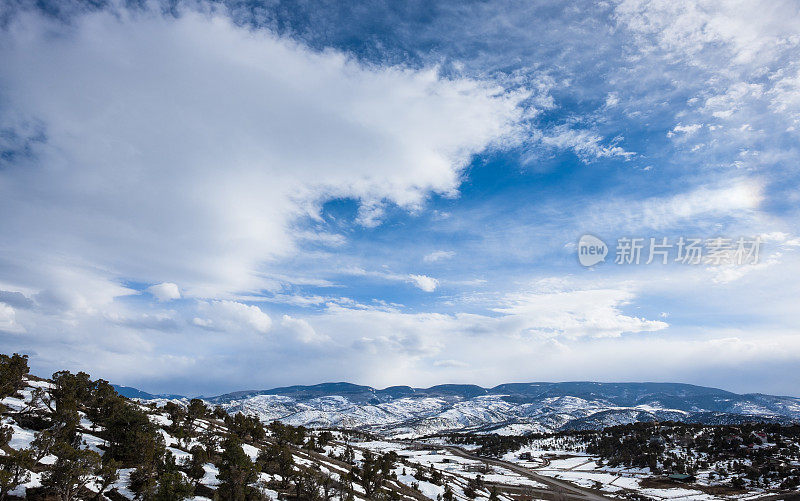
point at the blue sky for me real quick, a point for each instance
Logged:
(204, 197)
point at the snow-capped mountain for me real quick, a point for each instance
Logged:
(507, 408)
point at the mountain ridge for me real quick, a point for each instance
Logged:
(440, 388)
(505, 408)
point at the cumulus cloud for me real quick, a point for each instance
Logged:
(576, 313)
(551, 309)
(424, 282)
(737, 64)
(232, 316)
(747, 31)
(684, 129)
(8, 320)
(209, 169)
(302, 330)
(165, 291)
(128, 159)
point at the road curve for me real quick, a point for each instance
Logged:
(572, 491)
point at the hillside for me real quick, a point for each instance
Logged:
(403, 411)
(73, 438)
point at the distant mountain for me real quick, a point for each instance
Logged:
(506, 408)
(127, 391)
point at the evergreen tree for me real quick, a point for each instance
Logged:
(172, 485)
(448, 494)
(43, 443)
(71, 472)
(12, 371)
(144, 479)
(195, 464)
(107, 475)
(14, 470)
(236, 471)
(370, 476)
(277, 459)
(6, 433)
(196, 410)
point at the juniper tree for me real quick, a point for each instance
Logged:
(43, 443)
(172, 485)
(236, 471)
(196, 410)
(12, 370)
(195, 464)
(6, 433)
(14, 470)
(148, 458)
(107, 474)
(71, 472)
(277, 459)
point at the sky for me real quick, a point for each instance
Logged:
(200, 197)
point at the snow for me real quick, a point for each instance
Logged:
(22, 438)
(428, 489)
(92, 442)
(561, 457)
(251, 451)
(410, 417)
(210, 478)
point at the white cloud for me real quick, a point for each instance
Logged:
(185, 147)
(8, 320)
(144, 164)
(165, 291)
(162, 321)
(725, 104)
(785, 93)
(749, 32)
(424, 282)
(232, 316)
(576, 313)
(438, 256)
(612, 99)
(737, 62)
(738, 198)
(586, 144)
(450, 363)
(685, 129)
(302, 330)
(370, 213)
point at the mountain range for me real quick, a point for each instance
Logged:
(513, 408)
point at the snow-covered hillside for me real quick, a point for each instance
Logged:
(196, 460)
(505, 409)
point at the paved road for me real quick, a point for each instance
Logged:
(569, 490)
